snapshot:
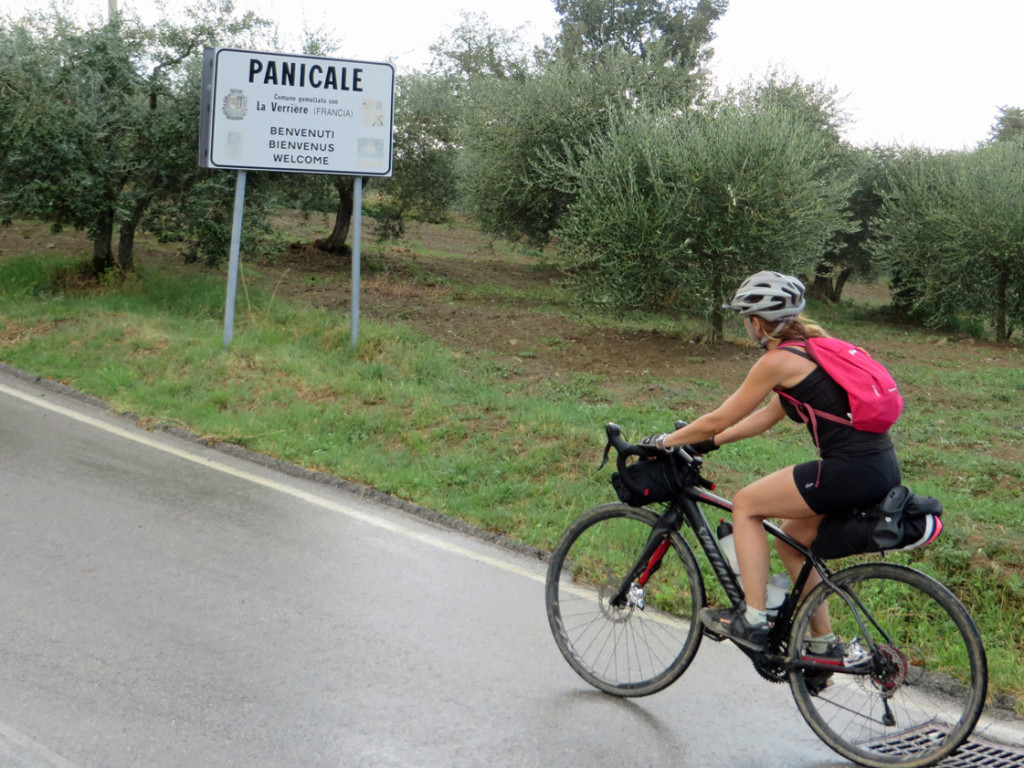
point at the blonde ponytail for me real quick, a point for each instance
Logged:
(801, 328)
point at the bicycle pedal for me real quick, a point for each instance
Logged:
(713, 635)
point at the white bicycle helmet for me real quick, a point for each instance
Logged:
(769, 295)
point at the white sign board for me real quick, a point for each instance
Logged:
(300, 114)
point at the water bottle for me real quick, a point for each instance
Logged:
(775, 595)
(728, 545)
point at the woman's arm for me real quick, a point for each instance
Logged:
(759, 421)
(736, 415)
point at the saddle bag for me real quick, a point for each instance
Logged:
(901, 521)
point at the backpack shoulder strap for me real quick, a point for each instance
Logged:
(799, 351)
(799, 347)
(807, 413)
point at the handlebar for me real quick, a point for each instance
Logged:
(624, 449)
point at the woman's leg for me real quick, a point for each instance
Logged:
(804, 530)
(773, 496)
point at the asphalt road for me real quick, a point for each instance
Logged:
(167, 604)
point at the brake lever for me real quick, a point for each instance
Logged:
(607, 453)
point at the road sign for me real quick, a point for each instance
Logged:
(300, 114)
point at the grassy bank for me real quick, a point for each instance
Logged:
(472, 437)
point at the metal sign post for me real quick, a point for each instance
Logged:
(357, 230)
(236, 244)
(297, 114)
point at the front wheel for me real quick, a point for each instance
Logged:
(646, 640)
(913, 683)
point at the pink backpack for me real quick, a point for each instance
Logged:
(875, 401)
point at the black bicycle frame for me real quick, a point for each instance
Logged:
(723, 571)
(685, 508)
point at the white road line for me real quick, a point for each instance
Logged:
(334, 506)
(20, 751)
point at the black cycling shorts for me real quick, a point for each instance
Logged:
(847, 482)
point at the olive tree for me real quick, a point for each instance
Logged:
(507, 127)
(672, 209)
(1009, 125)
(849, 253)
(672, 33)
(817, 106)
(423, 186)
(424, 181)
(611, 57)
(951, 234)
(476, 48)
(99, 122)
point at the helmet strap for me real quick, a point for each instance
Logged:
(755, 337)
(762, 341)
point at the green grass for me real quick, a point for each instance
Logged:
(471, 438)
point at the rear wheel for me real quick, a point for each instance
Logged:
(915, 697)
(647, 642)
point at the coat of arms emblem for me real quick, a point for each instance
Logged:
(235, 104)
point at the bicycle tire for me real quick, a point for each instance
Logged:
(638, 649)
(918, 697)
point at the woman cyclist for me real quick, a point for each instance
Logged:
(855, 468)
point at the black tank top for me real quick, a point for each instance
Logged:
(820, 391)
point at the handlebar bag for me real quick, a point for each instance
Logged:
(649, 480)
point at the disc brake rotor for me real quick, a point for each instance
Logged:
(890, 669)
(615, 613)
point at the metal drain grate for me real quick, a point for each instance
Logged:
(975, 753)
(984, 754)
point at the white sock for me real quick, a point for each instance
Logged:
(820, 644)
(755, 616)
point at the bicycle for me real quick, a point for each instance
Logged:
(910, 683)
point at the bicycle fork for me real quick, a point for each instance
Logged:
(631, 591)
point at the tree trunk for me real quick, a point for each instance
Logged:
(102, 248)
(837, 291)
(717, 327)
(823, 286)
(1013, 313)
(1002, 284)
(346, 204)
(717, 314)
(126, 247)
(126, 240)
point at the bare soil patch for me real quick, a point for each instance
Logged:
(442, 281)
(446, 281)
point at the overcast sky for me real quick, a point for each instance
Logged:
(925, 72)
(930, 73)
